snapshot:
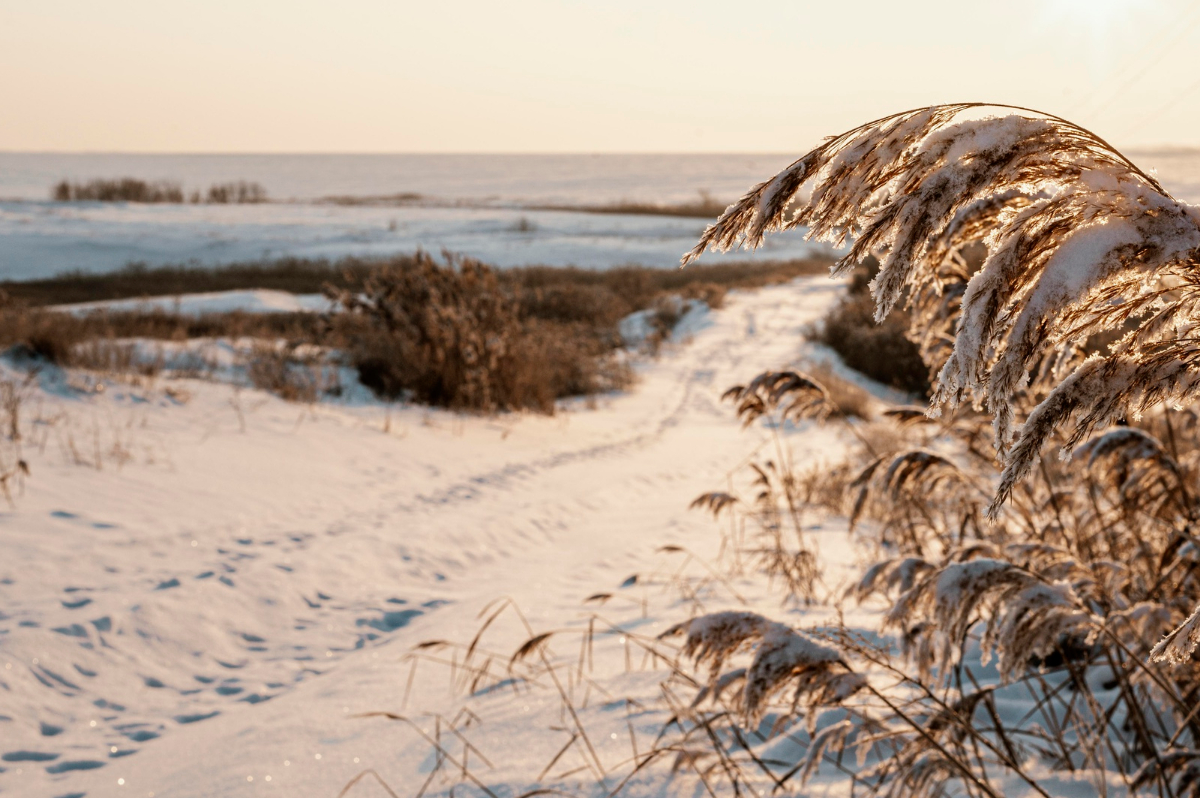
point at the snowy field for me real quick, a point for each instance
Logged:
(201, 585)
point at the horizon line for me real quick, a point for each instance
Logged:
(1150, 148)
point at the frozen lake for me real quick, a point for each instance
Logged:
(477, 205)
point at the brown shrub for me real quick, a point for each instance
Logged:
(42, 335)
(880, 351)
(454, 336)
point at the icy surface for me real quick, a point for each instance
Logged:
(486, 217)
(39, 239)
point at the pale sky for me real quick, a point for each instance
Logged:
(574, 75)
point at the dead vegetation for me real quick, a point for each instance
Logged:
(705, 206)
(1067, 574)
(606, 294)
(1037, 617)
(129, 189)
(454, 333)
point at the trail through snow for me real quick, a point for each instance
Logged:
(241, 575)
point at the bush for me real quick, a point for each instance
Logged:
(880, 351)
(455, 336)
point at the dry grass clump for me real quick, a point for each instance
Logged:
(880, 350)
(13, 468)
(129, 189)
(43, 335)
(455, 336)
(290, 373)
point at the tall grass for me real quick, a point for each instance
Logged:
(1068, 578)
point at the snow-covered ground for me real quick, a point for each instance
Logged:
(256, 300)
(200, 586)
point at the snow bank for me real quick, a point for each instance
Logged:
(250, 301)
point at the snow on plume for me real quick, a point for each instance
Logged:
(1076, 234)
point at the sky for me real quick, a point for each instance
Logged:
(574, 75)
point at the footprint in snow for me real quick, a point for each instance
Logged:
(74, 764)
(196, 718)
(29, 756)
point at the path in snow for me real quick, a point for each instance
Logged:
(185, 623)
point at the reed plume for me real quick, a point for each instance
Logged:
(1079, 240)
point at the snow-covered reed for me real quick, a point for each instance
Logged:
(1078, 237)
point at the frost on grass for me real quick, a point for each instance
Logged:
(1027, 617)
(1079, 239)
(1179, 646)
(781, 656)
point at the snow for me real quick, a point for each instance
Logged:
(637, 328)
(233, 578)
(249, 301)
